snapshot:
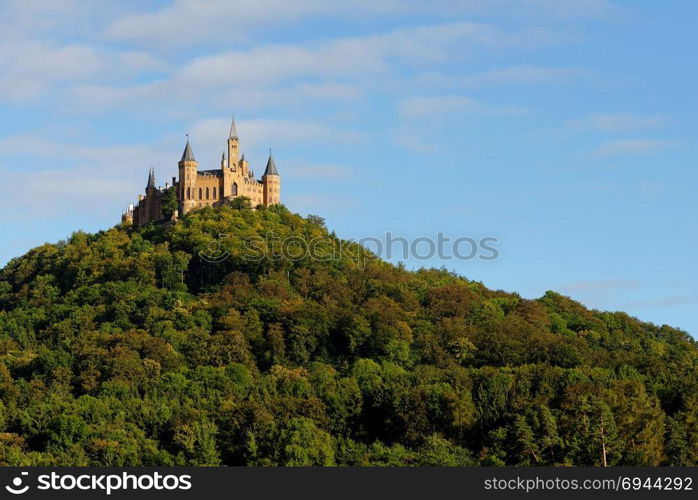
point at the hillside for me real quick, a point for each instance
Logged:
(127, 348)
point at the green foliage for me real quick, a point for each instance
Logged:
(241, 203)
(169, 202)
(127, 347)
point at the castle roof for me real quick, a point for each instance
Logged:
(151, 179)
(271, 166)
(233, 130)
(216, 173)
(188, 155)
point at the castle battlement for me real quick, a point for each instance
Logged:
(196, 188)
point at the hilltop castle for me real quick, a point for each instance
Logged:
(202, 188)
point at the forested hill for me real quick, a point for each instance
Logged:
(127, 347)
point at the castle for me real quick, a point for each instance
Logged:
(202, 188)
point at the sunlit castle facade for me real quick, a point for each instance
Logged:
(203, 188)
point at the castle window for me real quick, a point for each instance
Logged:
(207, 192)
(235, 189)
(201, 195)
(188, 193)
(214, 193)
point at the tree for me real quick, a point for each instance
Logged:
(169, 202)
(241, 203)
(127, 348)
(302, 444)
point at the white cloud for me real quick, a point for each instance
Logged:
(429, 80)
(326, 171)
(417, 107)
(187, 22)
(44, 18)
(334, 70)
(89, 73)
(618, 122)
(443, 105)
(104, 178)
(662, 302)
(190, 22)
(600, 293)
(597, 286)
(353, 56)
(423, 117)
(261, 133)
(526, 74)
(31, 67)
(630, 146)
(310, 203)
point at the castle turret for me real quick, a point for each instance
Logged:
(244, 166)
(149, 206)
(187, 178)
(233, 145)
(272, 183)
(151, 180)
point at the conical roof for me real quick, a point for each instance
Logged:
(151, 179)
(271, 166)
(233, 130)
(188, 155)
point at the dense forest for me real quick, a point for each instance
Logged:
(126, 347)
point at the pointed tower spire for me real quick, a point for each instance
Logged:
(188, 155)
(271, 166)
(151, 179)
(233, 130)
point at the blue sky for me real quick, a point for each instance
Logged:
(566, 129)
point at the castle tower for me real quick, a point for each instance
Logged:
(151, 205)
(244, 166)
(229, 167)
(187, 179)
(151, 181)
(233, 145)
(272, 183)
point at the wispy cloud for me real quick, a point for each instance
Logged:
(31, 67)
(104, 178)
(431, 106)
(603, 285)
(524, 75)
(261, 133)
(308, 203)
(631, 147)
(339, 69)
(163, 28)
(618, 122)
(661, 302)
(600, 293)
(417, 107)
(328, 171)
